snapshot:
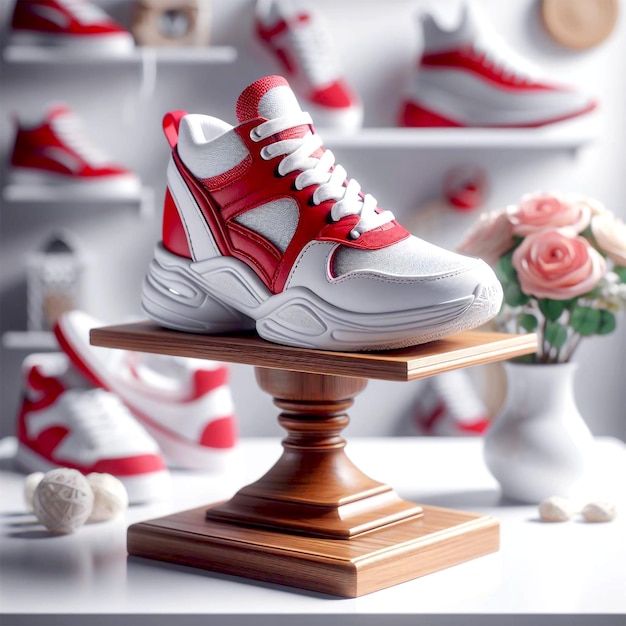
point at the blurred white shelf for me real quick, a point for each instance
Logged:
(40, 54)
(569, 135)
(29, 340)
(69, 194)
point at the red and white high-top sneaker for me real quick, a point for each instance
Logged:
(57, 151)
(185, 404)
(64, 424)
(468, 76)
(74, 24)
(262, 228)
(301, 43)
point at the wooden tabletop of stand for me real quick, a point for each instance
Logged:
(461, 350)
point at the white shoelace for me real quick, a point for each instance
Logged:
(102, 417)
(331, 178)
(315, 49)
(84, 12)
(71, 131)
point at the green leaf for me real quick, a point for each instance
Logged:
(585, 320)
(556, 334)
(621, 272)
(528, 322)
(505, 267)
(607, 322)
(514, 296)
(570, 304)
(552, 309)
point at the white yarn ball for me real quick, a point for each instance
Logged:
(63, 500)
(30, 484)
(110, 497)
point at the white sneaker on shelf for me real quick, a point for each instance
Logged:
(302, 44)
(185, 404)
(468, 76)
(448, 405)
(58, 151)
(77, 25)
(62, 423)
(261, 228)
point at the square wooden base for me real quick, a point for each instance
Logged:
(342, 567)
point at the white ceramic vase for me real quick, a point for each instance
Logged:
(538, 445)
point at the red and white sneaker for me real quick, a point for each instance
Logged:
(262, 229)
(468, 76)
(448, 405)
(64, 424)
(57, 151)
(301, 43)
(74, 24)
(185, 404)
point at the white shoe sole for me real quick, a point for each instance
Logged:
(471, 101)
(222, 294)
(183, 454)
(140, 488)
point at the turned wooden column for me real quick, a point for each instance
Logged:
(314, 488)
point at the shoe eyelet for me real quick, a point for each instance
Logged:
(329, 218)
(354, 234)
(277, 173)
(263, 154)
(311, 201)
(254, 136)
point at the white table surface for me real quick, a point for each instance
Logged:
(570, 573)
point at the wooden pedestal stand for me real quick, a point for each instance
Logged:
(314, 520)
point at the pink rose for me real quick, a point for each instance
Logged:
(552, 264)
(610, 233)
(543, 211)
(595, 206)
(489, 238)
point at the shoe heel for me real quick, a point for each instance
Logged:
(173, 298)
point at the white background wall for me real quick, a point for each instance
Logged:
(377, 44)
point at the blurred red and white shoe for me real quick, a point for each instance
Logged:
(185, 404)
(302, 44)
(468, 76)
(64, 424)
(57, 151)
(74, 24)
(448, 405)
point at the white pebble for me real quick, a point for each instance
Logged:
(63, 500)
(110, 497)
(30, 484)
(599, 512)
(556, 509)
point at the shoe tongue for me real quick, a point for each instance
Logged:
(268, 97)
